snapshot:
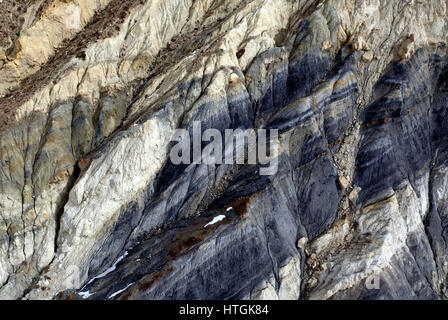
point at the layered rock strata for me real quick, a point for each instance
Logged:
(92, 93)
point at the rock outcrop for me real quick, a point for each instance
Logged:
(91, 95)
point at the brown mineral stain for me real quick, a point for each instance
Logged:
(83, 163)
(323, 154)
(146, 284)
(240, 205)
(379, 204)
(183, 244)
(240, 53)
(62, 175)
(338, 141)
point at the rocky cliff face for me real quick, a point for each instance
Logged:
(92, 92)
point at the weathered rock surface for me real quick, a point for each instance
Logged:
(92, 207)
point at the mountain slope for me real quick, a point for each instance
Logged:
(92, 206)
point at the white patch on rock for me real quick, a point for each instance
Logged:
(108, 270)
(216, 220)
(85, 294)
(120, 291)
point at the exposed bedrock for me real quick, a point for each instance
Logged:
(397, 238)
(92, 207)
